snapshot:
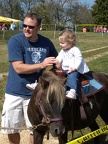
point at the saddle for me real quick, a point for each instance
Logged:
(84, 80)
(62, 74)
(89, 86)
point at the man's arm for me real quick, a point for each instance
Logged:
(22, 68)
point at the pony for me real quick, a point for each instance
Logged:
(48, 110)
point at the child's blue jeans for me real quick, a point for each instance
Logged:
(73, 82)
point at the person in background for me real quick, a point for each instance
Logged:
(71, 60)
(84, 30)
(4, 27)
(0, 27)
(21, 25)
(29, 54)
(12, 26)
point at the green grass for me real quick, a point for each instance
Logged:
(85, 41)
(88, 41)
(3, 58)
(100, 64)
(96, 52)
(2, 90)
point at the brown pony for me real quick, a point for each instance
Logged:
(48, 109)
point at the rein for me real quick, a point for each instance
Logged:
(47, 120)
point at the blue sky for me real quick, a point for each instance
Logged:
(89, 2)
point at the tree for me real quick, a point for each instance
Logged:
(77, 13)
(63, 12)
(11, 8)
(16, 8)
(28, 5)
(43, 10)
(52, 11)
(100, 12)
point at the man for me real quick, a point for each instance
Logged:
(29, 54)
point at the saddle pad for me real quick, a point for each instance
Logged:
(92, 87)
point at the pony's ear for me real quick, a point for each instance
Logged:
(44, 83)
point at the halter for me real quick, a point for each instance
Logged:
(47, 120)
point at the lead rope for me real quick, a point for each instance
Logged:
(20, 128)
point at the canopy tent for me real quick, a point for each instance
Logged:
(8, 20)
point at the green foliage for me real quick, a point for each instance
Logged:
(100, 12)
(52, 12)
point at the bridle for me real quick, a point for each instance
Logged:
(46, 120)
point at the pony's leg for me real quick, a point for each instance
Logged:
(103, 115)
(38, 137)
(63, 138)
(94, 127)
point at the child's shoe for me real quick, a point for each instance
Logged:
(32, 86)
(71, 94)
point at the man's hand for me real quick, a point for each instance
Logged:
(48, 62)
(71, 70)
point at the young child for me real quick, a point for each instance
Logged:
(71, 60)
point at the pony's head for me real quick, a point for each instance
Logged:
(52, 99)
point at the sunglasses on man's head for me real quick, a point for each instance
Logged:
(30, 27)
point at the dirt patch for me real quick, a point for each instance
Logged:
(25, 139)
(95, 56)
(3, 75)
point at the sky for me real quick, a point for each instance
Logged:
(89, 2)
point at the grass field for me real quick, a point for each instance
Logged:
(85, 41)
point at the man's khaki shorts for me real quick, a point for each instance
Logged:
(14, 113)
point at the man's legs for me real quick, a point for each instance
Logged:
(31, 139)
(28, 124)
(14, 138)
(9, 109)
(12, 116)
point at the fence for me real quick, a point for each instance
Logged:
(6, 34)
(75, 27)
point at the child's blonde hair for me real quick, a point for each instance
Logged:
(68, 36)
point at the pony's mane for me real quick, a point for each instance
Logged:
(55, 87)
